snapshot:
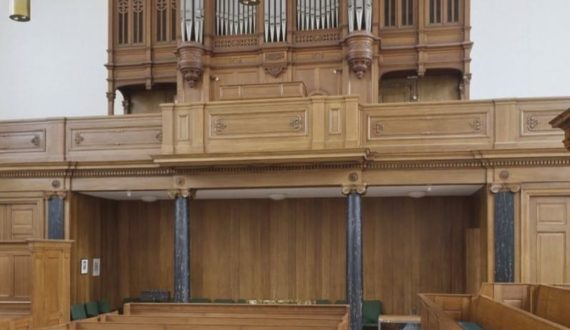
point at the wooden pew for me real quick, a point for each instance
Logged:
(442, 312)
(552, 303)
(221, 316)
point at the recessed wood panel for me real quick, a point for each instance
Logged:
(551, 257)
(23, 141)
(552, 212)
(22, 271)
(6, 276)
(258, 124)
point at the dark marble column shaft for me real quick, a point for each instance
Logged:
(181, 251)
(56, 217)
(504, 237)
(354, 260)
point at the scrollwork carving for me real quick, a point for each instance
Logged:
(531, 123)
(476, 125)
(79, 138)
(220, 125)
(36, 140)
(297, 123)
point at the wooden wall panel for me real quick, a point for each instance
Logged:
(262, 249)
(20, 220)
(87, 215)
(145, 248)
(413, 246)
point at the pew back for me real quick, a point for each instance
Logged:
(553, 303)
(15, 323)
(491, 314)
(442, 311)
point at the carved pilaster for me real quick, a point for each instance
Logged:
(190, 62)
(360, 52)
(504, 229)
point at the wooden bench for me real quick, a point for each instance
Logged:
(445, 311)
(143, 316)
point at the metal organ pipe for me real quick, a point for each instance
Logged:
(359, 15)
(193, 20)
(317, 14)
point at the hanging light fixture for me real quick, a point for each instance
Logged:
(250, 2)
(20, 10)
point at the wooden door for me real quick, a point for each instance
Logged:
(20, 221)
(549, 240)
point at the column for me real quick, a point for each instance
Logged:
(181, 248)
(354, 282)
(56, 216)
(504, 229)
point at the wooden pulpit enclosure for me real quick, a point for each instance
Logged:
(34, 283)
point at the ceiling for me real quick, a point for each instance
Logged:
(282, 193)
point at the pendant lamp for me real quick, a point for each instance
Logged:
(20, 10)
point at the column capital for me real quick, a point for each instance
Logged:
(502, 187)
(186, 193)
(49, 194)
(359, 188)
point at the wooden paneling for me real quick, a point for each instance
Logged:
(31, 140)
(134, 241)
(261, 249)
(22, 219)
(549, 238)
(144, 256)
(413, 246)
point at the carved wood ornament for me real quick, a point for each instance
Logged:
(190, 62)
(360, 52)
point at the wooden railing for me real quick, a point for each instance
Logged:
(34, 282)
(288, 122)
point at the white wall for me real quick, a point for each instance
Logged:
(54, 65)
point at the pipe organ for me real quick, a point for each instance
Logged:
(275, 20)
(316, 15)
(211, 44)
(359, 15)
(233, 18)
(193, 20)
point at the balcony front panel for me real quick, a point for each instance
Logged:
(31, 141)
(134, 137)
(427, 127)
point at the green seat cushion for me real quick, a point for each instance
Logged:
(323, 301)
(78, 312)
(469, 325)
(242, 301)
(224, 301)
(341, 302)
(104, 306)
(199, 300)
(371, 309)
(92, 309)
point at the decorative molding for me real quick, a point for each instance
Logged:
(531, 123)
(297, 123)
(357, 188)
(511, 187)
(476, 125)
(378, 128)
(78, 138)
(275, 70)
(219, 125)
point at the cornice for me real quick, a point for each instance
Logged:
(130, 170)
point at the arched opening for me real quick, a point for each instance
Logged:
(137, 99)
(407, 86)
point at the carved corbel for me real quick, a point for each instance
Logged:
(360, 52)
(190, 62)
(275, 63)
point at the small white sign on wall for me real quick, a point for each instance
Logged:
(84, 266)
(96, 267)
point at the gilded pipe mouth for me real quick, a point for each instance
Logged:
(20, 10)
